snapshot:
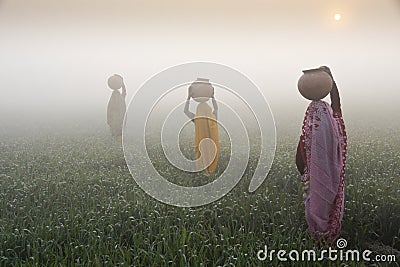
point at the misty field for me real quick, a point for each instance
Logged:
(68, 199)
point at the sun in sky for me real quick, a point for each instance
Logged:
(337, 16)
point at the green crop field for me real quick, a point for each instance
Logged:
(68, 199)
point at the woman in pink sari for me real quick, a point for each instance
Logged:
(321, 160)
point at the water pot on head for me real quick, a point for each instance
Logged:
(201, 90)
(315, 84)
(115, 82)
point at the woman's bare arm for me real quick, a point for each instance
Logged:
(186, 109)
(335, 99)
(334, 94)
(123, 90)
(299, 158)
(215, 106)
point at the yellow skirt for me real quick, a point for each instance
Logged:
(206, 126)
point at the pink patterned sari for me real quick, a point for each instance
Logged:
(325, 144)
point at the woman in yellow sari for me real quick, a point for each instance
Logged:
(206, 141)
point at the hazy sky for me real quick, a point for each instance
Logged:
(55, 56)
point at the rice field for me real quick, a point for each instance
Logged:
(67, 199)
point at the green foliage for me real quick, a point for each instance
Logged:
(70, 200)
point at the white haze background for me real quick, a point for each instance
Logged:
(55, 56)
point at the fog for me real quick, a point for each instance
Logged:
(55, 56)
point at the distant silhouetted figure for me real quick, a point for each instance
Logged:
(116, 106)
(205, 120)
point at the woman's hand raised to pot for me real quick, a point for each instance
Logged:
(327, 70)
(189, 94)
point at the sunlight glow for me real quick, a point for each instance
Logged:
(337, 17)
